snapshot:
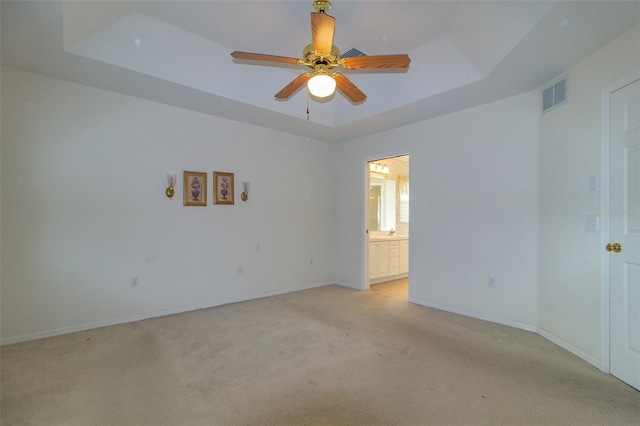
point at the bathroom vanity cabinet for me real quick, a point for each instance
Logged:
(388, 258)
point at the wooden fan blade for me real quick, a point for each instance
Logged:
(382, 61)
(262, 57)
(348, 89)
(294, 86)
(322, 26)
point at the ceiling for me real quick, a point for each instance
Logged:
(463, 53)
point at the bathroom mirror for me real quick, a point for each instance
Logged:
(382, 204)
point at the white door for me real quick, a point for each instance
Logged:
(624, 217)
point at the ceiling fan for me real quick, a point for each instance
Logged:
(322, 56)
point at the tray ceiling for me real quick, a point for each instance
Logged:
(177, 52)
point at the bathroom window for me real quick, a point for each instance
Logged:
(403, 185)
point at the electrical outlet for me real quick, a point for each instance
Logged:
(491, 282)
(135, 281)
(240, 269)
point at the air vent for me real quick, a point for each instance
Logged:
(352, 53)
(554, 95)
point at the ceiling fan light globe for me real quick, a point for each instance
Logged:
(321, 85)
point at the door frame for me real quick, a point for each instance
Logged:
(605, 203)
(365, 226)
(366, 282)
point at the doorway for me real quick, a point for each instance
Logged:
(386, 260)
(622, 234)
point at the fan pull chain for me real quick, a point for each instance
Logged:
(307, 106)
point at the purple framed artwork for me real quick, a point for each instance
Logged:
(195, 189)
(223, 188)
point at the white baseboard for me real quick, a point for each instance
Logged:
(569, 347)
(89, 326)
(350, 285)
(154, 314)
(523, 326)
(473, 314)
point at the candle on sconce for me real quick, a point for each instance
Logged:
(245, 191)
(171, 179)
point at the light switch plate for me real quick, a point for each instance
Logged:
(591, 223)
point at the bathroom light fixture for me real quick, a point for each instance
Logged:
(379, 168)
(245, 191)
(172, 182)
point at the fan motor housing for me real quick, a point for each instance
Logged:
(313, 58)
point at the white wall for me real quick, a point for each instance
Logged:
(473, 214)
(501, 190)
(83, 209)
(570, 152)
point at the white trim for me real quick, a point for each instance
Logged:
(366, 284)
(605, 203)
(473, 314)
(569, 347)
(354, 286)
(154, 314)
(515, 324)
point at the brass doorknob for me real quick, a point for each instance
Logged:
(615, 247)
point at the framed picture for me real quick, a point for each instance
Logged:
(195, 189)
(223, 188)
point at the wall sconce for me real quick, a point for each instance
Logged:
(245, 191)
(172, 182)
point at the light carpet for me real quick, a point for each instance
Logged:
(325, 356)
